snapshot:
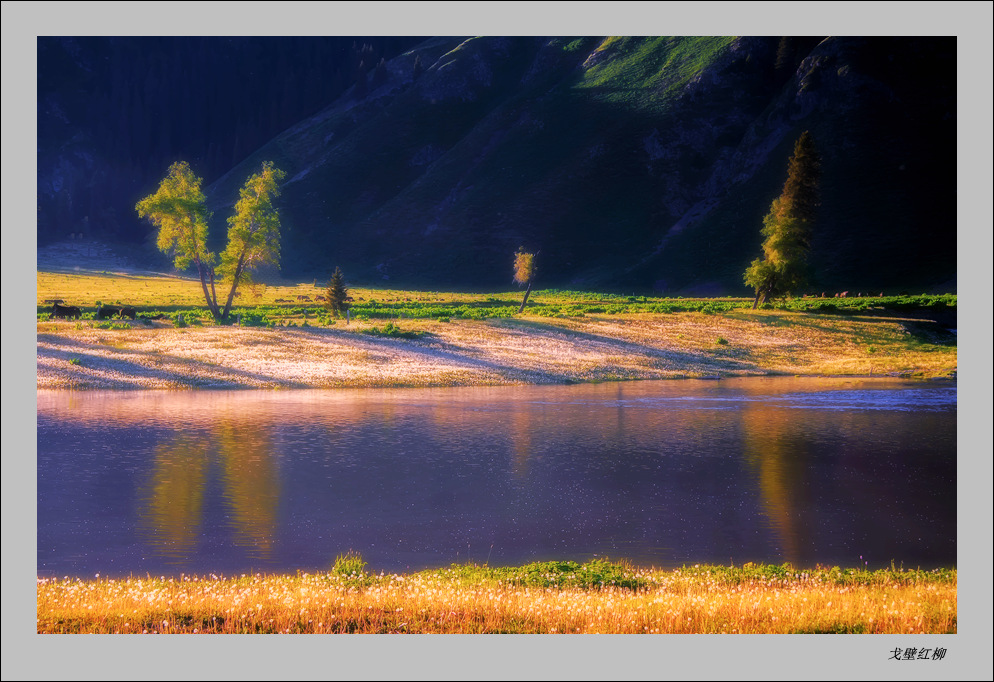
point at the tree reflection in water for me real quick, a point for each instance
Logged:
(775, 449)
(173, 509)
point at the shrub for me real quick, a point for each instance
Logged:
(715, 308)
(593, 574)
(393, 331)
(350, 563)
(351, 568)
(252, 318)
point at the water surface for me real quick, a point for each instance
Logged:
(660, 473)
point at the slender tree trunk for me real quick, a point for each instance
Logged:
(213, 293)
(755, 301)
(528, 290)
(234, 285)
(211, 304)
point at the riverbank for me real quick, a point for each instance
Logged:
(525, 350)
(465, 353)
(428, 339)
(542, 598)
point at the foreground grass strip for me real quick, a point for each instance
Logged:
(549, 597)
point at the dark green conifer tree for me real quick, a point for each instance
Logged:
(337, 294)
(787, 228)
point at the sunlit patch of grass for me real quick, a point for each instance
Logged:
(546, 597)
(564, 336)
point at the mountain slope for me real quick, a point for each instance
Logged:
(643, 163)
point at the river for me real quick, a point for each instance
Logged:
(833, 471)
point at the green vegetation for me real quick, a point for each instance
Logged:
(179, 210)
(598, 336)
(278, 303)
(547, 597)
(595, 574)
(393, 331)
(349, 564)
(351, 569)
(660, 66)
(253, 231)
(787, 228)
(337, 296)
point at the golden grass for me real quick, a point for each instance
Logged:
(523, 349)
(466, 600)
(86, 288)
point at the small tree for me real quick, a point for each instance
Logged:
(337, 294)
(524, 272)
(787, 228)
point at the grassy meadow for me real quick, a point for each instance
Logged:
(285, 338)
(539, 598)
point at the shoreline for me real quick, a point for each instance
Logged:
(409, 339)
(496, 352)
(952, 379)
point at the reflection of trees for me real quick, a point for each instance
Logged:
(173, 509)
(521, 441)
(251, 484)
(175, 497)
(775, 449)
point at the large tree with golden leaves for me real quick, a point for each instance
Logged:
(179, 210)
